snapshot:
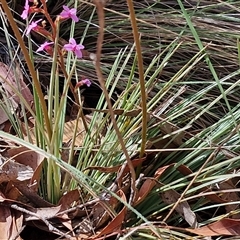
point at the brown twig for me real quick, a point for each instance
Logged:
(48, 224)
(84, 205)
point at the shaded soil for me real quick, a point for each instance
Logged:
(33, 233)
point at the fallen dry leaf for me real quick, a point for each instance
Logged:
(225, 226)
(116, 223)
(5, 222)
(17, 227)
(67, 199)
(65, 203)
(149, 184)
(11, 222)
(30, 158)
(13, 171)
(3, 115)
(69, 131)
(183, 208)
(212, 197)
(135, 163)
(104, 210)
(11, 192)
(68, 135)
(230, 197)
(26, 156)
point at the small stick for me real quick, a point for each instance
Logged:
(48, 224)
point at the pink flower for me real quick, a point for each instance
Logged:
(32, 26)
(25, 12)
(44, 46)
(72, 46)
(69, 13)
(86, 82)
(83, 82)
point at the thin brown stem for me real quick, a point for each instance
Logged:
(100, 11)
(49, 18)
(141, 80)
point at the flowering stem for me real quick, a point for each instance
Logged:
(49, 18)
(30, 66)
(66, 75)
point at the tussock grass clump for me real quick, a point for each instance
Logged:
(191, 58)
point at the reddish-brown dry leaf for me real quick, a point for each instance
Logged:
(116, 223)
(149, 184)
(5, 222)
(79, 237)
(102, 213)
(13, 171)
(65, 202)
(9, 201)
(3, 116)
(30, 158)
(26, 156)
(68, 198)
(213, 197)
(11, 221)
(225, 226)
(135, 162)
(31, 194)
(11, 192)
(18, 224)
(230, 197)
(183, 208)
(36, 178)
